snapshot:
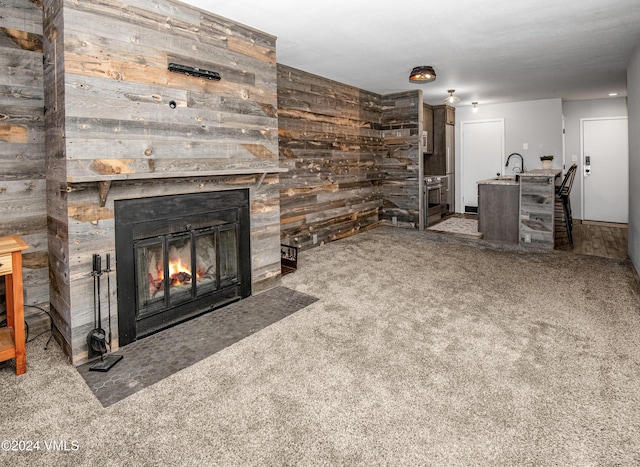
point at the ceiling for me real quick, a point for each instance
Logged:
(489, 51)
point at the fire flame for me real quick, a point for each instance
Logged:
(176, 267)
(179, 275)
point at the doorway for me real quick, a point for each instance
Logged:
(605, 169)
(482, 157)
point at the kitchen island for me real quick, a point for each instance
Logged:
(519, 209)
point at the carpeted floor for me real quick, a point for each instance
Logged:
(422, 349)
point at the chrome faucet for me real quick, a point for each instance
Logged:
(521, 163)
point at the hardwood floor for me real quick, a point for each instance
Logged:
(599, 239)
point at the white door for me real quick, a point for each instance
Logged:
(482, 156)
(605, 159)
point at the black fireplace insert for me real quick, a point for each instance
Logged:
(179, 256)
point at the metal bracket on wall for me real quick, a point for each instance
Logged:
(103, 191)
(260, 180)
(193, 71)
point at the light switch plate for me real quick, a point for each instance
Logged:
(574, 158)
(525, 145)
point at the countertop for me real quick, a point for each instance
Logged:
(513, 180)
(543, 172)
(501, 180)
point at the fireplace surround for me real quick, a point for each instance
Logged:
(179, 256)
(118, 129)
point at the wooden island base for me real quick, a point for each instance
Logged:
(519, 209)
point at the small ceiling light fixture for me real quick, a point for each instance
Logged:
(422, 74)
(475, 108)
(613, 94)
(451, 99)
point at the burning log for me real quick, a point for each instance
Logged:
(180, 278)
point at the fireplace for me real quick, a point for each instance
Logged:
(179, 256)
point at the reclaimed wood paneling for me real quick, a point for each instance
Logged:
(401, 129)
(121, 126)
(23, 204)
(331, 143)
(537, 211)
(124, 108)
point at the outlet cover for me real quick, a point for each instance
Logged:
(394, 220)
(315, 238)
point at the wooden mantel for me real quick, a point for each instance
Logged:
(154, 175)
(104, 181)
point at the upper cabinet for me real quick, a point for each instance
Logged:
(450, 115)
(441, 159)
(427, 129)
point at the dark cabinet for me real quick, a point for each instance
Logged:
(441, 161)
(427, 129)
(499, 212)
(449, 115)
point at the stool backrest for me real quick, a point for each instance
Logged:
(565, 187)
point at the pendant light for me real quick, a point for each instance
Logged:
(451, 99)
(422, 74)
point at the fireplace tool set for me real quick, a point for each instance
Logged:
(97, 339)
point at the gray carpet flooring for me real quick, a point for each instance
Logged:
(422, 350)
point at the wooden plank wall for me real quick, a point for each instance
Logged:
(110, 118)
(118, 91)
(22, 153)
(401, 130)
(331, 144)
(537, 211)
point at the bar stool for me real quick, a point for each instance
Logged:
(562, 193)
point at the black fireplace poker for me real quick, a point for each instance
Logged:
(97, 340)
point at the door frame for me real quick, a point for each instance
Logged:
(581, 168)
(462, 155)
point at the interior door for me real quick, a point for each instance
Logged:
(482, 157)
(605, 159)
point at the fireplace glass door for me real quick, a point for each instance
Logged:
(177, 268)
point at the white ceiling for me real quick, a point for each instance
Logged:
(490, 51)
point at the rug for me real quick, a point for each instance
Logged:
(459, 226)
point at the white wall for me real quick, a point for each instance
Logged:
(536, 123)
(573, 112)
(633, 105)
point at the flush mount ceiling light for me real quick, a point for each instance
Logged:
(451, 99)
(475, 108)
(422, 74)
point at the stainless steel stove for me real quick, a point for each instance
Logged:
(433, 199)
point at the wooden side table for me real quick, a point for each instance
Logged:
(12, 340)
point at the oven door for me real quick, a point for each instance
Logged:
(433, 202)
